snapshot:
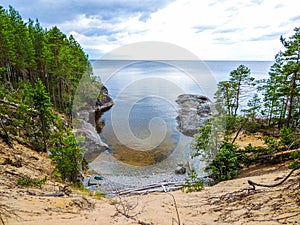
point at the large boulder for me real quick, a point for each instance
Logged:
(180, 169)
(92, 142)
(194, 111)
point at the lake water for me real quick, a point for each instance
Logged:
(141, 127)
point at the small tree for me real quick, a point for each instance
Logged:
(42, 105)
(68, 157)
(208, 140)
(225, 165)
(230, 93)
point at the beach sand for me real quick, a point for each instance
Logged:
(224, 203)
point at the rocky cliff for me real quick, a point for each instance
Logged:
(83, 125)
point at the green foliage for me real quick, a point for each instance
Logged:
(192, 183)
(41, 103)
(29, 52)
(271, 142)
(279, 109)
(282, 91)
(39, 73)
(87, 92)
(296, 162)
(225, 165)
(29, 182)
(209, 138)
(251, 154)
(68, 157)
(287, 140)
(286, 137)
(201, 140)
(230, 93)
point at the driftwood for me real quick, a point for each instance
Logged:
(159, 187)
(56, 194)
(285, 152)
(61, 193)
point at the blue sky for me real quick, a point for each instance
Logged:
(212, 29)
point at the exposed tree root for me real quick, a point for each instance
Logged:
(276, 205)
(253, 184)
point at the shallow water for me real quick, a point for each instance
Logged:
(141, 127)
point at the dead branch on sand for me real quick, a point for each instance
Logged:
(253, 184)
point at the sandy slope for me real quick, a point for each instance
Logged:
(220, 204)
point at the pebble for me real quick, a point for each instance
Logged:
(111, 183)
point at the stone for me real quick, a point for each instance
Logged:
(98, 177)
(103, 103)
(92, 142)
(92, 181)
(194, 111)
(180, 169)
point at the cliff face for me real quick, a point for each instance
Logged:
(89, 116)
(193, 112)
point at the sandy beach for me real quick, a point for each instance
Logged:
(225, 203)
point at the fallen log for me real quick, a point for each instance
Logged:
(277, 154)
(285, 152)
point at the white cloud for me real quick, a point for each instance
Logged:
(228, 29)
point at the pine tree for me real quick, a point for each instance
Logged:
(42, 105)
(67, 154)
(292, 69)
(282, 91)
(29, 52)
(230, 93)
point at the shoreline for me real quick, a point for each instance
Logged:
(221, 204)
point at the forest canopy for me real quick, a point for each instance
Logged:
(29, 52)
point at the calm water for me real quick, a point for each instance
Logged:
(141, 126)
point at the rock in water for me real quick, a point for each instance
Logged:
(194, 111)
(103, 103)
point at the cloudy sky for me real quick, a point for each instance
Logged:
(211, 29)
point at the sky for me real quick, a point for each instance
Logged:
(211, 29)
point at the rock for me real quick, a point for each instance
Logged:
(180, 169)
(93, 143)
(83, 203)
(83, 121)
(92, 181)
(103, 102)
(194, 111)
(98, 177)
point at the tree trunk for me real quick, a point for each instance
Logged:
(291, 102)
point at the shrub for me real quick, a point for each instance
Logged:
(251, 154)
(28, 182)
(225, 165)
(68, 157)
(286, 138)
(192, 183)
